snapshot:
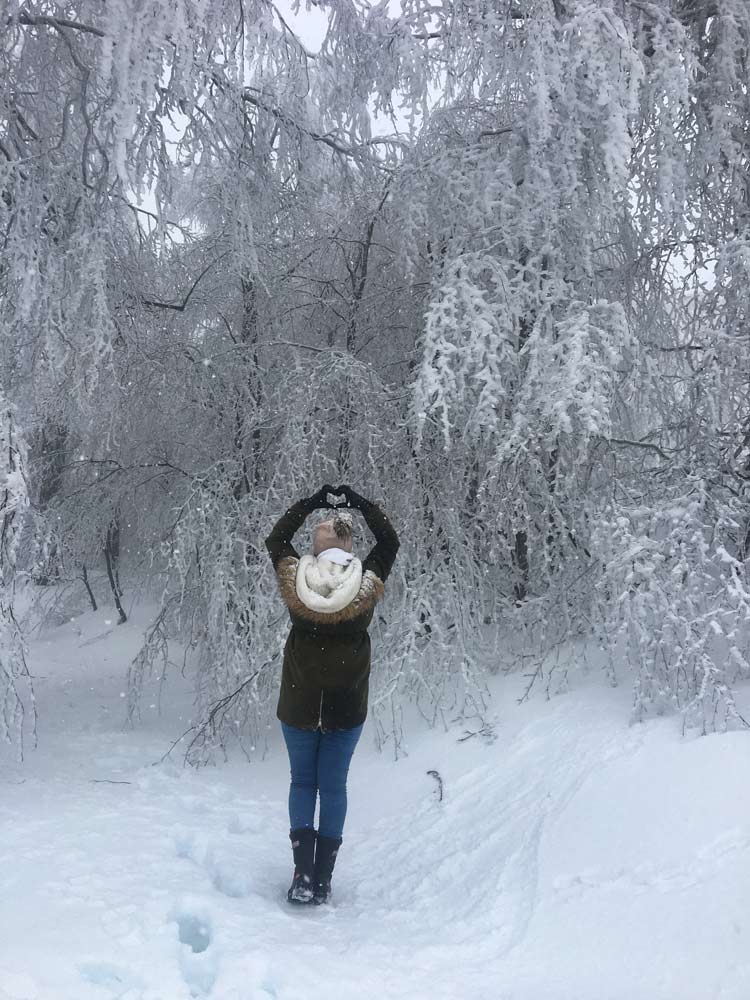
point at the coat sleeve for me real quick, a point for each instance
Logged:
(279, 542)
(381, 557)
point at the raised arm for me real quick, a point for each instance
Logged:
(279, 542)
(382, 555)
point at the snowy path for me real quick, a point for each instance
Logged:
(572, 859)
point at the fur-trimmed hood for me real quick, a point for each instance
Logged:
(351, 592)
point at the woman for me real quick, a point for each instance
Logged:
(331, 597)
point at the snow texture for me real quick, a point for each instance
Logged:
(570, 858)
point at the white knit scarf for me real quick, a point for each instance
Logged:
(323, 585)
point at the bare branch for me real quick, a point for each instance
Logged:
(58, 23)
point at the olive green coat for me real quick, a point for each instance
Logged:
(326, 669)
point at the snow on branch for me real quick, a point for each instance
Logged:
(15, 680)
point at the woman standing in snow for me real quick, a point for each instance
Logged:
(331, 598)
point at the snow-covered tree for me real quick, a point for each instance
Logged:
(15, 682)
(487, 262)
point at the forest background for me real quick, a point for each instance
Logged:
(489, 262)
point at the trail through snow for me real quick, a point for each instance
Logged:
(573, 858)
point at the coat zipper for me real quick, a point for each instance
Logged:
(320, 713)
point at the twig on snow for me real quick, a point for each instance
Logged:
(439, 780)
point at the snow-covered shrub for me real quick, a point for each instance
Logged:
(675, 603)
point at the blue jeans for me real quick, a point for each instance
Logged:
(319, 764)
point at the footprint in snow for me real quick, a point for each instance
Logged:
(198, 958)
(227, 877)
(228, 866)
(246, 823)
(194, 931)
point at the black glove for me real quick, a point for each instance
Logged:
(319, 500)
(353, 499)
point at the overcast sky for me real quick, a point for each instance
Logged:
(309, 25)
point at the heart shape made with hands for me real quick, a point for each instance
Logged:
(339, 499)
(336, 498)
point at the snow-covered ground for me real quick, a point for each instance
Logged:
(573, 858)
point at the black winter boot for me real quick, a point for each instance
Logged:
(325, 858)
(303, 846)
